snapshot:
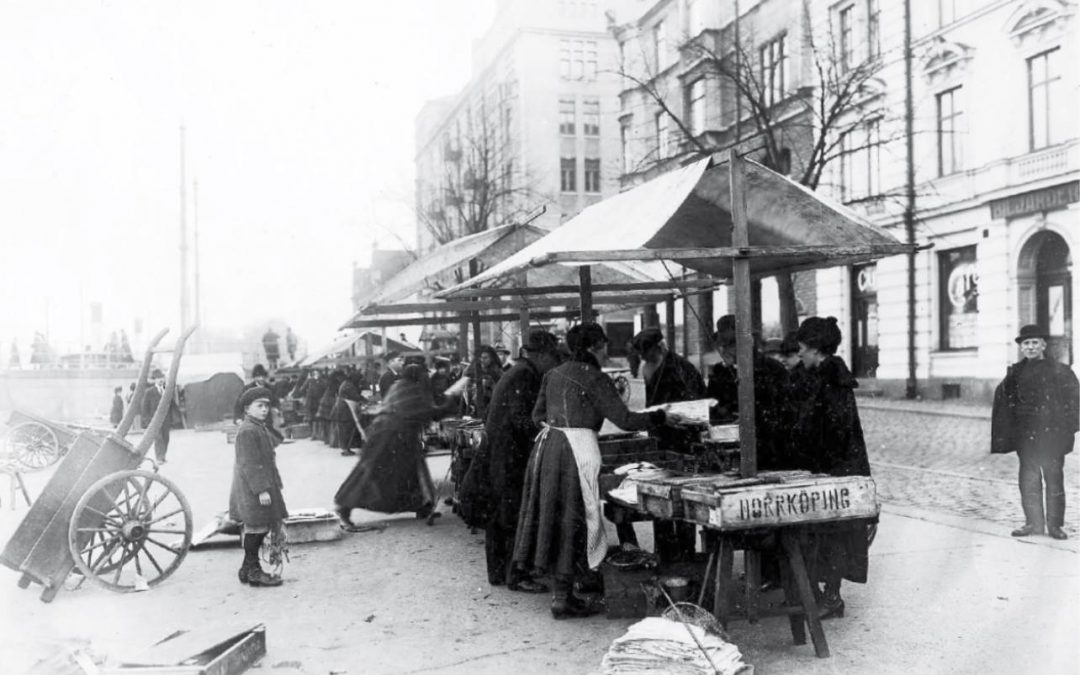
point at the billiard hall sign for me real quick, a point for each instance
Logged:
(1036, 201)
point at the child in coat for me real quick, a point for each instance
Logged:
(255, 499)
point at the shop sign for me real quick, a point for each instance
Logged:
(1035, 201)
(866, 280)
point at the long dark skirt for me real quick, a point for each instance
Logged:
(840, 551)
(390, 475)
(551, 531)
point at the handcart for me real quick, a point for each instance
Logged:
(35, 443)
(124, 527)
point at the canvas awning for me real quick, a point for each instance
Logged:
(345, 344)
(685, 215)
(201, 367)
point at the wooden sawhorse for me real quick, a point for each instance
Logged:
(790, 543)
(17, 484)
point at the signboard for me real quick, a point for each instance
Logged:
(816, 499)
(1035, 201)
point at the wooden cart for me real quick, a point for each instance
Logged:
(127, 528)
(35, 443)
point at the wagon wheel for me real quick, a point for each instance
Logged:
(622, 386)
(130, 530)
(34, 446)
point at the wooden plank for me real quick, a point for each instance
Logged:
(501, 305)
(449, 320)
(736, 251)
(773, 505)
(806, 594)
(523, 291)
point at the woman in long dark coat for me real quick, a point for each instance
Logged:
(347, 436)
(255, 499)
(392, 475)
(827, 438)
(325, 411)
(559, 526)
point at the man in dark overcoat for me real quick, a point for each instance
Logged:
(1035, 415)
(394, 363)
(150, 399)
(510, 431)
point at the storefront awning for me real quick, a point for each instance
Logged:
(685, 216)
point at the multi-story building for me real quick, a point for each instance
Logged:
(995, 163)
(536, 125)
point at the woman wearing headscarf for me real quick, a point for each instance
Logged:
(392, 475)
(347, 436)
(559, 526)
(485, 371)
(326, 408)
(827, 438)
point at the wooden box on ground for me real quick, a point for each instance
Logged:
(298, 431)
(776, 499)
(624, 593)
(302, 527)
(196, 653)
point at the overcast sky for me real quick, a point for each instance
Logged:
(299, 119)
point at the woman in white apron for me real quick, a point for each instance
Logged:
(559, 527)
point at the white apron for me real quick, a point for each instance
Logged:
(586, 448)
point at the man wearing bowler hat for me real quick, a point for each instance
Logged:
(1035, 415)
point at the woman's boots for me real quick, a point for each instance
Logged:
(566, 605)
(251, 572)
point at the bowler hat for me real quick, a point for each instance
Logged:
(1031, 331)
(157, 374)
(259, 370)
(541, 341)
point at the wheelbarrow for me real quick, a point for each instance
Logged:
(125, 527)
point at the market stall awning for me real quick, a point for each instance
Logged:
(685, 215)
(345, 344)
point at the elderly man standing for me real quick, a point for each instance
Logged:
(1035, 415)
(510, 432)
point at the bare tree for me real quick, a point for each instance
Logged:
(481, 184)
(799, 131)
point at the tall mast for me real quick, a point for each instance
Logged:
(185, 318)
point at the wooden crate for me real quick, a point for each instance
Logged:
(787, 501)
(624, 596)
(662, 497)
(626, 450)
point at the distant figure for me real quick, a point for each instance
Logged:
(440, 380)
(270, 346)
(504, 356)
(1035, 416)
(290, 344)
(394, 363)
(40, 353)
(151, 397)
(136, 425)
(125, 348)
(117, 412)
(15, 362)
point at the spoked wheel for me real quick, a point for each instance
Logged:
(34, 446)
(130, 530)
(622, 385)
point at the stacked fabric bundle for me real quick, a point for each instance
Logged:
(657, 645)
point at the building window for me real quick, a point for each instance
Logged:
(590, 117)
(949, 118)
(845, 18)
(860, 162)
(567, 117)
(1044, 79)
(577, 59)
(592, 175)
(568, 174)
(660, 126)
(659, 44)
(873, 28)
(695, 106)
(959, 283)
(773, 59)
(946, 12)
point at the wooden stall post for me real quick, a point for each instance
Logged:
(463, 340)
(585, 276)
(384, 347)
(669, 321)
(740, 237)
(523, 324)
(474, 269)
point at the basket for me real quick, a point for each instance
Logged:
(695, 615)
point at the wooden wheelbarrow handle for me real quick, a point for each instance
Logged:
(154, 426)
(140, 386)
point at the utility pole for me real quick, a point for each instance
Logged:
(195, 223)
(185, 319)
(911, 389)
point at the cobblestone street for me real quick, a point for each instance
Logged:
(943, 463)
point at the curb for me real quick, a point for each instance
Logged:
(870, 404)
(975, 525)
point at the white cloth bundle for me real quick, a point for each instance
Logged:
(657, 645)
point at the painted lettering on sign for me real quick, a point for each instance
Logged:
(804, 502)
(1045, 199)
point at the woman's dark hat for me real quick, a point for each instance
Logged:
(647, 339)
(157, 374)
(259, 370)
(821, 334)
(254, 394)
(1031, 331)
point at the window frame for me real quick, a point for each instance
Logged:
(592, 175)
(945, 269)
(773, 61)
(696, 122)
(953, 120)
(590, 111)
(1048, 87)
(845, 15)
(567, 125)
(568, 175)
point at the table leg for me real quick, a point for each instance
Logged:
(798, 569)
(724, 558)
(25, 492)
(752, 565)
(791, 599)
(709, 567)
